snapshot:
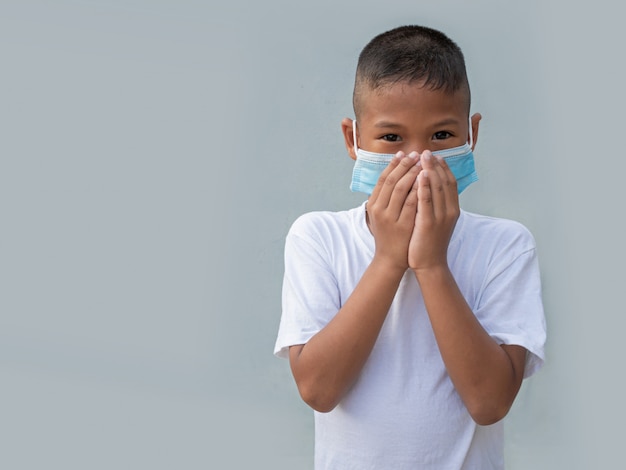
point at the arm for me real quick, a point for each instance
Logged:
(328, 364)
(486, 375)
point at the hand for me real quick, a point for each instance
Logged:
(437, 213)
(391, 210)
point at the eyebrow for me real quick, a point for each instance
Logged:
(387, 124)
(446, 122)
(393, 125)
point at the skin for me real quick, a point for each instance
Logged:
(411, 214)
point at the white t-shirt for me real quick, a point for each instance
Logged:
(403, 412)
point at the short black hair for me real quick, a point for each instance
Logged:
(411, 54)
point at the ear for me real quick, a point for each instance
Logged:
(348, 136)
(475, 121)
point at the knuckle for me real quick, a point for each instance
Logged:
(413, 196)
(404, 184)
(373, 209)
(410, 201)
(408, 162)
(390, 180)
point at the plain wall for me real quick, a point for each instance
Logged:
(153, 155)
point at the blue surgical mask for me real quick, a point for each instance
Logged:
(370, 165)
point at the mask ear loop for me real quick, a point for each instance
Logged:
(471, 134)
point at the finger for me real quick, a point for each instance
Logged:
(405, 183)
(436, 180)
(424, 197)
(398, 183)
(438, 164)
(409, 208)
(450, 187)
(383, 176)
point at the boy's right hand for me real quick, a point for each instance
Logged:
(391, 210)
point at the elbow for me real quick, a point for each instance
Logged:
(488, 405)
(318, 398)
(486, 419)
(488, 412)
(315, 385)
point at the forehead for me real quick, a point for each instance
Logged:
(411, 102)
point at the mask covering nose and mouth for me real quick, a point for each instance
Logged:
(369, 165)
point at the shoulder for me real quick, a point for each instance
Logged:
(324, 224)
(505, 233)
(493, 242)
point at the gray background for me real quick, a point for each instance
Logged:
(154, 154)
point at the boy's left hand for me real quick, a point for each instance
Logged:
(437, 213)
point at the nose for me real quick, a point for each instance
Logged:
(415, 146)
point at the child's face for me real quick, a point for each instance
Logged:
(407, 117)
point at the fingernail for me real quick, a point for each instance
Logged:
(413, 155)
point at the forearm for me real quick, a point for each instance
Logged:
(329, 363)
(486, 375)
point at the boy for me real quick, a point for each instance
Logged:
(408, 323)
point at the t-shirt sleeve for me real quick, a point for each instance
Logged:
(510, 307)
(310, 294)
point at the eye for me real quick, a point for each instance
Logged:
(441, 135)
(391, 137)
